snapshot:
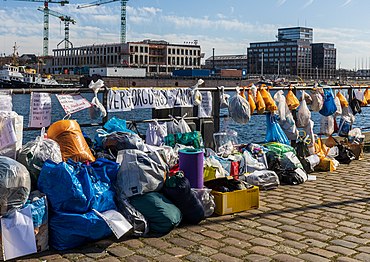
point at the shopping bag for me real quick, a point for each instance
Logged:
(251, 102)
(239, 108)
(269, 101)
(342, 99)
(292, 100)
(329, 107)
(303, 114)
(260, 103)
(274, 133)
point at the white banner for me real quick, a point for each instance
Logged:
(40, 110)
(182, 97)
(6, 103)
(73, 103)
(143, 98)
(205, 108)
(163, 99)
(119, 101)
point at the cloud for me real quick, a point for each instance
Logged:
(281, 2)
(347, 2)
(308, 3)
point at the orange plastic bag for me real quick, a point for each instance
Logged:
(269, 101)
(251, 102)
(321, 150)
(260, 104)
(367, 95)
(292, 100)
(242, 93)
(67, 133)
(342, 99)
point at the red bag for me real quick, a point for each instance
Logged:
(234, 170)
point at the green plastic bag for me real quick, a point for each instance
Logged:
(188, 139)
(279, 149)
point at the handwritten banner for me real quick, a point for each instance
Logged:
(40, 110)
(73, 103)
(119, 101)
(6, 103)
(143, 98)
(182, 97)
(205, 108)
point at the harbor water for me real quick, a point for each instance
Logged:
(253, 131)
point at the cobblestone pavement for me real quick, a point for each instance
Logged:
(323, 220)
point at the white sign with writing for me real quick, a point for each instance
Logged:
(143, 98)
(73, 103)
(6, 103)
(182, 97)
(119, 101)
(163, 99)
(205, 108)
(40, 110)
(7, 133)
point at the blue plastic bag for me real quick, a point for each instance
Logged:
(78, 188)
(329, 107)
(344, 127)
(274, 132)
(69, 230)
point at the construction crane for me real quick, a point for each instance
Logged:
(123, 13)
(45, 46)
(66, 19)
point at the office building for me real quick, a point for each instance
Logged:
(292, 54)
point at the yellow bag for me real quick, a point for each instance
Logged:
(321, 150)
(260, 104)
(367, 95)
(251, 102)
(342, 99)
(269, 101)
(292, 100)
(242, 93)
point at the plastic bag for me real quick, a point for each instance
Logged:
(367, 95)
(251, 163)
(360, 96)
(267, 98)
(355, 105)
(195, 93)
(34, 153)
(207, 200)
(134, 217)
(156, 133)
(16, 121)
(329, 107)
(15, 184)
(251, 102)
(193, 139)
(265, 179)
(260, 103)
(183, 126)
(303, 114)
(97, 110)
(342, 99)
(78, 188)
(117, 141)
(139, 173)
(274, 132)
(345, 126)
(67, 133)
(239, 109)
(338, 105)
(327, 125)
(116, 124)
(292, 100)
(317, 95)
(224, 98)
(178, 190)
(174, 126)
(286, 119)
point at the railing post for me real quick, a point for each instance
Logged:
(105, 104)
(216, 110)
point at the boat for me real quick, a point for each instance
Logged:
(12, 76)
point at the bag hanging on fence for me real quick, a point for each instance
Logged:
(274, 133)
(224, 98)
(360, 96)
(292, 101)
(355, 105)
(12, 125)
(174, 126)
(329, 107)
(269, 101)
(367, 95)
(345, 126)
(327, 125)
(286, 119)
(317, 95)
(239, 109)
(251, 102)
(338, 105)
(303, 114)
(156, 133)
(342, 99)
(260, 104)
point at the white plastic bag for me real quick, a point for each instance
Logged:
(327, 125)
(339, 107)
(303, 114)
(11, 144)
(97, 109)
(183, 126)
(286, 120)
(224, 98)
(239, 109)
(155, 133)
(317, 99)
(196, 95)
(174, 126)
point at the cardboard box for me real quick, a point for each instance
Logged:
(236, 201)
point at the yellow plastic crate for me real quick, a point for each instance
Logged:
(236, 201)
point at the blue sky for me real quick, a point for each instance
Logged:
(226, 25)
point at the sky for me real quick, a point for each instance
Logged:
(228, 26)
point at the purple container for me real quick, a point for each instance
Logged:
(191, 163)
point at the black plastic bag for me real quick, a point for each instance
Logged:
(345, 155)
(136, 219)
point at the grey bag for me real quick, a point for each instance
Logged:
(139, 173)
(136, 219)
